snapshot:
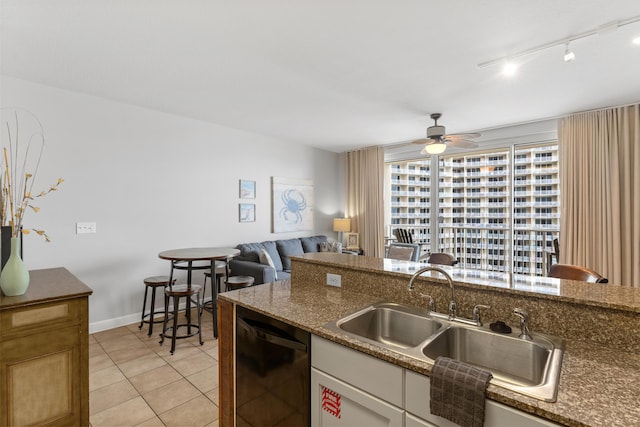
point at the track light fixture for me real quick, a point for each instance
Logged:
(568, 55)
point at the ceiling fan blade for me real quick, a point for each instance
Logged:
(461, 136)
(423, 141)
(461, 143)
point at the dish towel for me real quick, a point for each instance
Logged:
(458, 392)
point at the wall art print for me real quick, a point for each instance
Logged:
(292, 204)
(247, 212)
(247, 189)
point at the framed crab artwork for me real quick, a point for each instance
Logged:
(292, 204)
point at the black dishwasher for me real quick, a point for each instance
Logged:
(273, 362)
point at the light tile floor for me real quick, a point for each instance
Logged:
(133, 381)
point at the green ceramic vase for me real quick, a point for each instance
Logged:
(14, 279)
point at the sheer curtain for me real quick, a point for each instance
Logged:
(365, 198)
(600, 183)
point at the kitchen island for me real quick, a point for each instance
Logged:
(600, 378)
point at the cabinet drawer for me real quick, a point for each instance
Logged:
(496, 414)
(42, 317)
(372, 375)
(338, 404)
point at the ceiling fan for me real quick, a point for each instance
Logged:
(436, 141)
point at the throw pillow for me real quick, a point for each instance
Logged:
(330, 247)
(312, 244)
(265, 258)
(272, 250)
(288, 248)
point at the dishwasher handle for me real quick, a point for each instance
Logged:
(266, 335)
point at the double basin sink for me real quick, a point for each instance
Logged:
(530, 367)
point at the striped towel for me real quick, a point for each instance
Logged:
(458, 392)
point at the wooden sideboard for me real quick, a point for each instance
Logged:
(44, 352)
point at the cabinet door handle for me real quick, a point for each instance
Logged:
(266, 335)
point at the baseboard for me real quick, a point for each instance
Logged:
(116, 322)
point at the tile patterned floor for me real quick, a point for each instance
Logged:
(133, 381)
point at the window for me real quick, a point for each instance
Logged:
(484, 218)
(410, 195)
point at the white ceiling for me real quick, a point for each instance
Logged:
(331, 74)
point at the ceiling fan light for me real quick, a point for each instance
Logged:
(435, 148)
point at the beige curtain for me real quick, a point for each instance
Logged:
(600, 185)
(365, 198)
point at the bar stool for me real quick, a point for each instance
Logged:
(221, 268)
(154, 283)
(238, 282)
(176, 292)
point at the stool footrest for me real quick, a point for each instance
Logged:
(186, 335)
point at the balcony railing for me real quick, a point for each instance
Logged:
(492, 249)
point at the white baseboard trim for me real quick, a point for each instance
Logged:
(116, 322)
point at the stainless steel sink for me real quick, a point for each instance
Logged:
(528, 367)
(393, 325)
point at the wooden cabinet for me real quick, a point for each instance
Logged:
(44, 353)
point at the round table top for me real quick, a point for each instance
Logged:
(198, 254)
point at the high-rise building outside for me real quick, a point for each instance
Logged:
(496, 210)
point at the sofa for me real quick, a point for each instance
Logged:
(269, 261)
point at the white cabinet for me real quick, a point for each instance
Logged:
(337, 404)
(377, 377)
(496, 414)
(412, 421)
(353, 389)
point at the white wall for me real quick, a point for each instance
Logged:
(151, 181)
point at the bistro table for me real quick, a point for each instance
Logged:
(189, 255)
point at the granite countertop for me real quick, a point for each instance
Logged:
(598, 386)
(598, 295)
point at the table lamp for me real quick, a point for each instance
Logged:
(341, 225)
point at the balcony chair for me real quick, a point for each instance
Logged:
(555, 254)
(403, 235)
(442, 259)
(404, 251)
(574, 272)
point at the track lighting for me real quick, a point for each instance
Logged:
(509, 68)
(568, 54)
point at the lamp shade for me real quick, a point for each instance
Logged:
(341, 224)
(435, 148)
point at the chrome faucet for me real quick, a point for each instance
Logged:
(452, 303)
(431, 304)
(525, 334)
(476, 313)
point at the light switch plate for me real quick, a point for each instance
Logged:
(85, 227)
